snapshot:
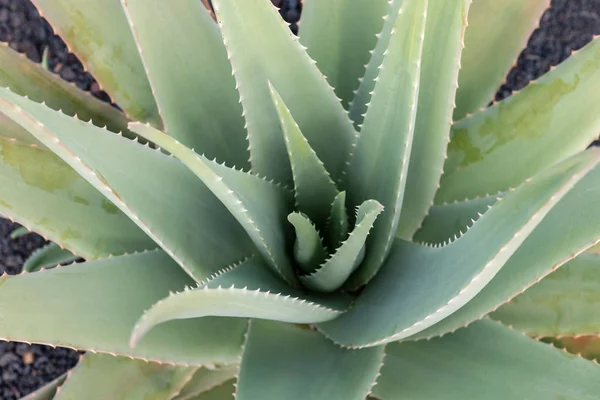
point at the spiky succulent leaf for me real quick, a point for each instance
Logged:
(548, 121)
(49, 255)
(105, 288)
(253, 31)
(309, 173)
(191, 221)
(309, 252)
(337, 225)
(197, 100)
(379, 163)
(498, 31)
(340, 38)
(40, 191)
(286, 361)
(555, 241)
(565, 303)
(260, 206)
(484, 361)
(455, 273)
(206, 379)
(332, 274)
(30, 79)
(225, 391)
(248, 290)
(443, 43)
(19, 232)
(97, 31)
(104, 376)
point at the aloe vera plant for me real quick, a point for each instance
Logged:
(334, 216)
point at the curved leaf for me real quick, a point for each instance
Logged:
(48, 255)
(205, 380)
(337, 225)
(443, 43)
(484, 361)
(21, 231)
(43, 193)
(420, 286)
(336, 269)
(191, 223)
(379, 165)
(570, 228)
(340, 36)
(249, 290)
(309, 252)
(283, 361)
(190, 75)
(253, 31)
(98, 296)
(550, 120)
(260, 206)
(101, 376)
(47, 391)
(224, 392)
(97, 31)
(565, 303)
(314, 190)
(498, 31)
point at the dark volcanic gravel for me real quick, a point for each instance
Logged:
(566, 26)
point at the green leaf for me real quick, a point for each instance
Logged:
(283, 361)
(309, 252)
(97, 31)
(360, 103)
(334, 272)
(13, 132)
(570, 228)
(528, 128)
(197, 101)
(420, 285)
(565, 303)
(337, 225)
(379, 166)
(30, 79)
(21, 231)
(340, 38)
(224, 392)
(44, 194)
(260, 206)
(445, 29)
(49, 255)
(47, 391)
(158, 193)
(249, 290)
(96, 304)
(484, 361)
(314, 190)
(448, 221)
(205, 380)
(253, 32)
(100, 376)
(498, 31)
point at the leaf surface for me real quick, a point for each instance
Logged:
(189, 72)
(106, 287)
(379, 165)
(205, 380)
(46, 195)
(420, 285)
(550, 120)
(484, 361)
(47, 391)
(249, 290)
(340, 37)
(253, 31)
(101, 376)
(49, 255)
(284, 361)
(309, 252)
(498, 31)
(191, 223)
(565, 303)
(97, 31)
(337, 225)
